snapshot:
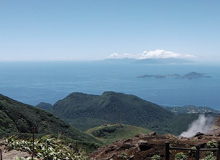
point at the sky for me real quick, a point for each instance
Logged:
(41, 30)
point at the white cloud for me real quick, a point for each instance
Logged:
(156, 54)
(159, 53)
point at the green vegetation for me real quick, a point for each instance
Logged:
(45, 147)
(123, 156)
(112, 132)
(156, 157)
(18, 119)
(210, 156)
(180, 156)
(110, 107)
(212, 144)
(45, 106)
(85, 111)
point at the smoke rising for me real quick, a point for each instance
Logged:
(203, 124)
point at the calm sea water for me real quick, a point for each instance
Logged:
(35, 82)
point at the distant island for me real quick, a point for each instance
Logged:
(150, 61)
(190, 109)
(191, 75)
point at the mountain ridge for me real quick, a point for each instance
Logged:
(113, 107)
(91, 111)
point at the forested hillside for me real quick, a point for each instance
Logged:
(17, 118)
(85, 111)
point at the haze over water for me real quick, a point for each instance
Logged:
(34, 82)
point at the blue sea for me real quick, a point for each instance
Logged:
(35, 82)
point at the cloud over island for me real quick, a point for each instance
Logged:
(156, 54)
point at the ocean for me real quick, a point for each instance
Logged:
(35, 82)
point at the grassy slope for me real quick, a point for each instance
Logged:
(19, 118)
(114, 132)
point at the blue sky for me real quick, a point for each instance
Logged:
(95, 29)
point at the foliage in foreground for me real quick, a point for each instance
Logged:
(210, 156)
(47, 148)
(180, 156)
(212, 144)
(156, 157)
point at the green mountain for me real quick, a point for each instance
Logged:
(110, 133)
(87, 111)
(17, 118)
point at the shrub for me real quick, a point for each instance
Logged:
(123, 156)
(212, 144)
(46, 147)
(210, 156)
(156, 157)
(180, 156)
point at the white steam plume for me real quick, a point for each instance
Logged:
(202, 124)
